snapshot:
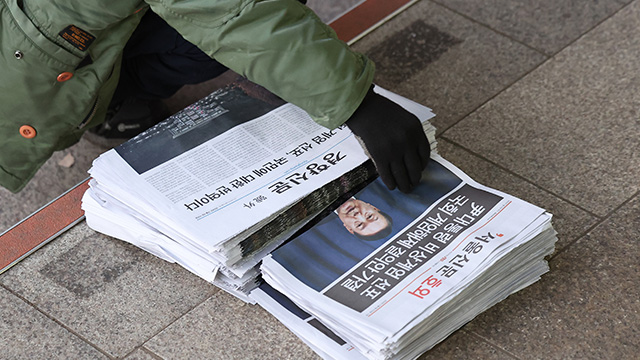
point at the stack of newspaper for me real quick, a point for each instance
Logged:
(389, 275)
(221, 184)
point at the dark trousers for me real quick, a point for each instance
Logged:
(157, 62)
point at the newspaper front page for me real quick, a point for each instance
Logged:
(433, 241)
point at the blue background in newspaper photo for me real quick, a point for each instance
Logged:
(327, 251)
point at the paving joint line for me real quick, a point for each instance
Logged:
(596, 224)
(506, 87)
(592, 28)
(598, 219)
(150, 353)
(548, 56)
(211, 294)
(590, 213)
(60, 323)
(145, 350)
(468, 17)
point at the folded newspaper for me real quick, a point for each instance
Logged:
(219, 185)
(388, 275)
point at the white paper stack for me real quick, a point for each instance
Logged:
(453, 249)
(219, 185)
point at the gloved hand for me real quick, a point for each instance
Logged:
(394, 139)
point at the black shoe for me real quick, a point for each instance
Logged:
(126, 120)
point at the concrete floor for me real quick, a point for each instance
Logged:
(540, 99)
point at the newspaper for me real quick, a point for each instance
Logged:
(451, 244)
(222, 183)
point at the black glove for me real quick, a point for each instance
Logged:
(394, 139)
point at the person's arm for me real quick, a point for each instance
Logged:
(283, 46)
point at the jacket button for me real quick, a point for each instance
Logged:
(18, 54)
(64, 76)
(28, 132)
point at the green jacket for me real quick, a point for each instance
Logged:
(51, 92)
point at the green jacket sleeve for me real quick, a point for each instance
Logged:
(281, 45)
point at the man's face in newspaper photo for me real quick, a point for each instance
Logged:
(362, 218)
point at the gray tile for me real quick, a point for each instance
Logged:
(48, 183)
(407, 52)
(569, 221)
(571, 126)
(587, 307)
(445, 61)
(83, 271)
(27, 334)
(547, 25)
(226, 328)
(109, 292)
(464, 345)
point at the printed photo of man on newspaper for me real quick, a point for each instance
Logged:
(360, 226)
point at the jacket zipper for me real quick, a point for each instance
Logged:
(90, 116)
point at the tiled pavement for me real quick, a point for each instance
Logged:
(540, 99)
